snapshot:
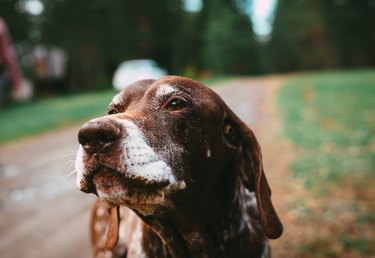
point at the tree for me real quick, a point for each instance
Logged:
(17, 22)
(228, 43)
(350, 29)
(100, 34)
(299, 37)
(319, 34)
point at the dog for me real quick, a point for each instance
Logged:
(177, 174)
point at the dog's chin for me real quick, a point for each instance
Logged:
(114, 189)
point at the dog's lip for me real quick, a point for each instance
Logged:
(105, 178)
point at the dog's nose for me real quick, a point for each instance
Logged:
(98, 134)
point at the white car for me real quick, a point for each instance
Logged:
(133, 70)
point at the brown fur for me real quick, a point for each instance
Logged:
(222, 209)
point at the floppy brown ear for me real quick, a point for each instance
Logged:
(251, 172)
(104, 227)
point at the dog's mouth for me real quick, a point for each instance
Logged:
(105, 179)
(115, 188)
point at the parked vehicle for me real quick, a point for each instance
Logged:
(134, 70)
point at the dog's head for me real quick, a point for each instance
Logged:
(167, 138)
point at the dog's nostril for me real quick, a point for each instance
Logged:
(83, 140)
(95, 135)
(107, 136)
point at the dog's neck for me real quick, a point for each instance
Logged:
(217, 229)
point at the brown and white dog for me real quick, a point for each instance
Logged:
(177, 173)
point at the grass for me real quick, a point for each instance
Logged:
(332, 116)
(330, 119)
(330, 108)
(31, 118)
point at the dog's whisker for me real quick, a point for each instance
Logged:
(70, 165)
(68, 175)
(71, 173)
(68, 155)
(69, 162)
(68, 171)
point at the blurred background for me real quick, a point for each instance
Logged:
(300, 73)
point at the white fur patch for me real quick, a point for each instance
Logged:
(140, 159)
(164, 90)
(136, 249)
(79, 166)
(246, 199)
(117, 99)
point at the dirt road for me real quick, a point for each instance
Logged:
(44, 215)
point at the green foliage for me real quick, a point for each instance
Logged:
(299, 37)
(18, 23)
(100, 34)
(31, 118)
(318, 34)
(331, 118)
(228, 44)
(347, 24)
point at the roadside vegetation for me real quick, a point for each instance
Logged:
(330, 119)
(31, 118)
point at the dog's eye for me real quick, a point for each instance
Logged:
(112, 112)
(175, 104)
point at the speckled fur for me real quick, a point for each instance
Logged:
(186, 179)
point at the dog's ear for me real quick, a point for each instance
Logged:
(240, 137)
(105, 224)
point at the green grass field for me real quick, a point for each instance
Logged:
(331, 115)
(26, 119)
(330, 120)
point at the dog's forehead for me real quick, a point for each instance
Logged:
(133, 91)
(170, 85)
(162, 88)
(117, 99)
(165, 89)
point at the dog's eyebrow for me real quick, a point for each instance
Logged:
(116, 99)
(165, 90)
